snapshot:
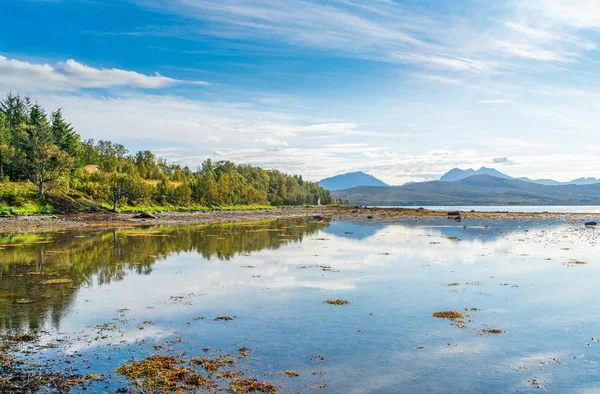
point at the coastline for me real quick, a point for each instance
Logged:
(108, 220)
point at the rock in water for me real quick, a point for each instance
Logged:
(453, 213)
(318, 217)
(591, 224)
(144, 215)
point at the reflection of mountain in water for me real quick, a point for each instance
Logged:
(353, 230)
(487, 230)
(104, 257)
(483, 230)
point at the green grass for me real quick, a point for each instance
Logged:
(22, 199)
(26, 209)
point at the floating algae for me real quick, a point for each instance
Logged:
(336, 302)
(289, 373)
(224, 318)
(491, 331)
(161, 373)
(244, 352)
(574, 262)
(448, 315)
(213, 365)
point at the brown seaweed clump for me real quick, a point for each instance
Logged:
(18, 376)
(224, 318)
(575, 262)
(213, 365)
(171, 374)
(289, 373)
(161, 374)
(336, 302)
(492, 331)
(251, 386)
(21, 338)
(448, 315)
(244, 352)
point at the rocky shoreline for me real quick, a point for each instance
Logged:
(107, 220)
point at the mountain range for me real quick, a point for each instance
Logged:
(350, 180)
(359, 178)
(456, 174)
(474, 190)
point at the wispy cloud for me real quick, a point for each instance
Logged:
(72, 75)
(580, 14)
(438, 79)
(270, 141)
(498, 101)
(391, 32)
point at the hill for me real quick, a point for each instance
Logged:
(474, 190)
(47, 166)
(350, 180)
(457, 174)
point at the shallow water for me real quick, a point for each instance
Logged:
(511, 208)
(134, 289)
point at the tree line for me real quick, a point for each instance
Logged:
(44, 149)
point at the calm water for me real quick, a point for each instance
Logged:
(132, 290)
(513, 208)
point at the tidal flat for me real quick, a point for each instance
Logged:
(335, 305)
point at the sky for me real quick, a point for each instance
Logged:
(402, 89)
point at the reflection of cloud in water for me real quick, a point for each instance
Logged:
(397, 272)
(118, 337)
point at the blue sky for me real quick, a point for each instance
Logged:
(404, 90)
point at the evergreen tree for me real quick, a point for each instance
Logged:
(43, 162)
(4, 143)
(65, 136)
(42, 150)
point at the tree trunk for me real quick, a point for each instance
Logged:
(41, 189)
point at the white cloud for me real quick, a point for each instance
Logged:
(437, 78)
(499, 101)
(270, 141)
(579, 13)
(453, 64)
(395, 32)
(71, 75)
(338, 128)
(533, 53)
(213, 138)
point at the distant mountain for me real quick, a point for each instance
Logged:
(474, 190)
(457, 174)
(350, 180)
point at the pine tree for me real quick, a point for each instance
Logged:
(65, 136)
(4, 143)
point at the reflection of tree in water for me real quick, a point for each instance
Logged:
(99, 258)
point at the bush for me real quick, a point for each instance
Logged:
(16, 194)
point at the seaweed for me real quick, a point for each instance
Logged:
(336, 302)
(448, 315)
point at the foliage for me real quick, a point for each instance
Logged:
(46, 151)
